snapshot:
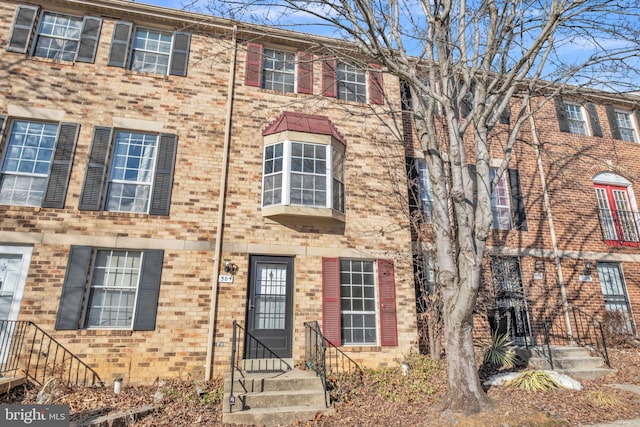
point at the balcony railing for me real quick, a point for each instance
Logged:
(620, 227)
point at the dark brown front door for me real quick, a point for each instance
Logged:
(269, 307)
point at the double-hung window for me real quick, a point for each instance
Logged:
(623, 124)
(301, 170)
(129, 171)
(426, 192)
(575, 119)
(353, 83)
(57, 36)
(149, 50)
(36, 162)
(359, 302)
(279, 70)
(110, 288)
(500, 203)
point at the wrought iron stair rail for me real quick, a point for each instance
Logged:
(325, 358)
(24, 346)
(586, 331)
(259, 350)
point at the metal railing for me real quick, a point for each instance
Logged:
(25, 347)
(325, 358)
(259, 351)
(620, 226)
(587, 331)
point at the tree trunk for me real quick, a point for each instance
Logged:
(464, 392)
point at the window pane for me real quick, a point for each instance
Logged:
(57, 36)
(26, 163)
(500, 203)
(151, 51)
(351, 83)
(278, 70)
(308, 183)
(132, 171)
(357, 302)
(113, 288)
(575, 119)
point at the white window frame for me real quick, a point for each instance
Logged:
(125, 182)
(343, 84)
(91, 287)
(39, 34)
(626, 125)
(27, 175)
(274, 71)
(504, 209)
(576, 119)
(374, 312)
(287, 172)
(145, 51)
(426, 190)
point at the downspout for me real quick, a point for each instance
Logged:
(552, 230)
(221, 209)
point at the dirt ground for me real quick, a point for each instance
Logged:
(386, 398)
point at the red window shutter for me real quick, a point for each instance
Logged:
(253, 69)
(331, 300)
(376, 86)
(329, 84)
(305, 72)
(387, 289)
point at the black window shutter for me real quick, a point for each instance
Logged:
(147, 301)
(466, 105)
(562, 119)
(75, 281)
(505, 117)
(22, 28)
(414, 185)
(596, 130)
(613, 123)
(474, 183)
(120, 44)
(517, 201)
(163, 180)
(3, 119)
(180, 53)
(89, 38)
(61, 166)
(96, 169)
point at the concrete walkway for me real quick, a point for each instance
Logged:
(622, 423)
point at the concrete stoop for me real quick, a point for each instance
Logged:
(274, 398)
(7, 383)
(573, 361)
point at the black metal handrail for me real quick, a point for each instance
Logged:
(259, 351)
(316, 358)
(620, 226)
(24, 346)
(586, 331)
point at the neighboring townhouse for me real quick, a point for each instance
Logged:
(164, 174)
(566, 228)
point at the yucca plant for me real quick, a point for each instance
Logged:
(499, 351)
(534, 381)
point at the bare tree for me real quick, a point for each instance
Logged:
(466, 63)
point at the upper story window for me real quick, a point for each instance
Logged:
(575, 119)
(578, 119)
(279, 70)
(58, 36)
(617, 209)
(500, 203)
(350, 83)
(36, 162)
(140, 172)
(623, 124)
(110, 289)
(149, 50)
(426, 192)
(303, 167)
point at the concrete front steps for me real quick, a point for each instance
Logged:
(7, 383)
(573, 361)
(274, 398)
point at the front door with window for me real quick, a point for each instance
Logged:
(270, 307)
(511, 315)
(14, 265)
(615, 296)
